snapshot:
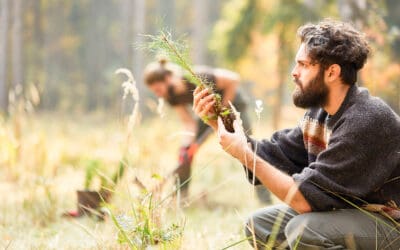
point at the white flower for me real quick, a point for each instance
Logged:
(259, 107)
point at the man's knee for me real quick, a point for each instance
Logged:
(306, 231)
(294, 230)
(259, 226)
(260, 222)
(253, 225)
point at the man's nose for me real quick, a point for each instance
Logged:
(295, 72)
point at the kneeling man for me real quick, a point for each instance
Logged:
(344, 154)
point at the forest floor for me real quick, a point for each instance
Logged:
(38, 182)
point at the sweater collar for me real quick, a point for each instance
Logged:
(351, 93)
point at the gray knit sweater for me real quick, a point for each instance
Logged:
(352, 157)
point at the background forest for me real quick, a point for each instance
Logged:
(62, 109)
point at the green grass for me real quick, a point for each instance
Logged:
(41, 185)
(45, 167)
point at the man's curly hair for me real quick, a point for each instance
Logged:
(333, 42)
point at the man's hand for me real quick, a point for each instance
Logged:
(234, 143)
(203, 103)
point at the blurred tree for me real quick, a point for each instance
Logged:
(382, 30)
(127, 31)
(4, 9)
(393, 22)
(29, 33)
(353, 10)
(96, 51)
(70, 49)
(138, 62)
(167, 10)
(282, 19)
(34, 48)
(17, 76)
(200, 31)
(236, 37)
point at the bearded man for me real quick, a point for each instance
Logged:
(344, 154)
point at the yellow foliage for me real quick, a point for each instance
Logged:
(8, 146)
(260, 65)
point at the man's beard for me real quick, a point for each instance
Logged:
(313, 95)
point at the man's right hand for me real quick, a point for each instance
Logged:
(203, 102)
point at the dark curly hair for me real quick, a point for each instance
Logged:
(334, 42)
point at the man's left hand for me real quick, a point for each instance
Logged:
(234, 143)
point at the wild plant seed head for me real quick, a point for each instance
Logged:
(259, 107)
(133, 118)
(34, 94)
(129, 86)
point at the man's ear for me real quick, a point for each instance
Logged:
(332, 73)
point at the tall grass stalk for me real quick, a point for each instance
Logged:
(142, 226)
(259, 108)
(236, 243)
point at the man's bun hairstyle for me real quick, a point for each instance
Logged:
(162, 61)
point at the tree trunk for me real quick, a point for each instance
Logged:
(282, 76)
(36, 64)
(139, 31)
(200, 31)
(96, 51)
(3, 55)
(354, 11)
(126, 19)
(166, 10)
(393, 22)
(17, 77)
